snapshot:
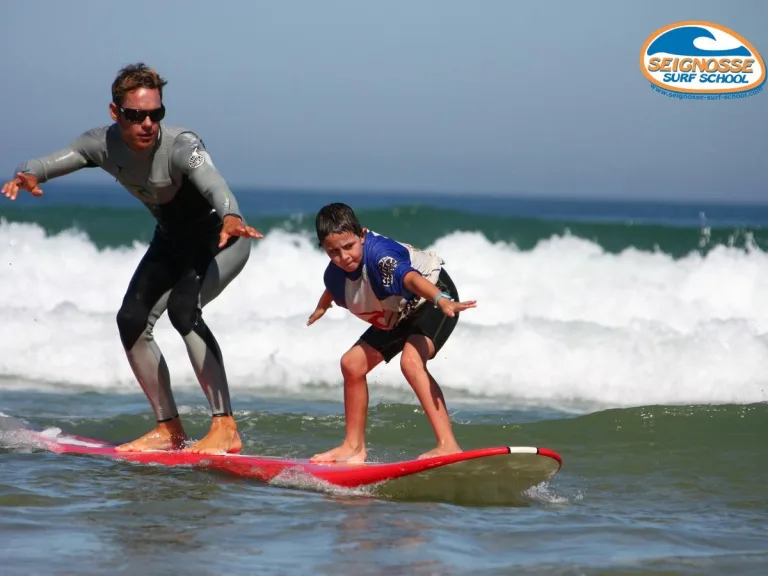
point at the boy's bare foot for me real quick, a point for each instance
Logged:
(222, 438)
(343, 453)
(165, 436)
(441, 451)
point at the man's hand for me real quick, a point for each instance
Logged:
(233, 226)
(22, 181)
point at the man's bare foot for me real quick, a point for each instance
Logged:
(165, 436)
(222, 438)
(343, 453)
(442, 451)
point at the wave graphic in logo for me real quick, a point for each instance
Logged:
(702, 58)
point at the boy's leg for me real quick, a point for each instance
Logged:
(428, 333)
(375, 346)
(356, 363)
(417, 351)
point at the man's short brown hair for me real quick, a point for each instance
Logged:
(134, 76)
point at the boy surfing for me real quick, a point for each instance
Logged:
(412, 305)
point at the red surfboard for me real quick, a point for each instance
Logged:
(492, 471)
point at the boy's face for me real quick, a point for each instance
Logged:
(345, 250)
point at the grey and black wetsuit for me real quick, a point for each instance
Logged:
(184, 268)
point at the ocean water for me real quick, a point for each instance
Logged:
(630, 337)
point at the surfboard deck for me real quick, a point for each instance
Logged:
(493, 473)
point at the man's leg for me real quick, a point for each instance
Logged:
(144, 302)
(197, 286)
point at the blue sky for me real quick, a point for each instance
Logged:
(503, 97)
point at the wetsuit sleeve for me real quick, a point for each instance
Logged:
(80, 154)
(388, 263)
(190, 158)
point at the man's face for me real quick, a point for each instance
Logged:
(138, 128)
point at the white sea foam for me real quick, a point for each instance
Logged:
(562, 323)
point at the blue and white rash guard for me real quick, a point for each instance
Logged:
(375, 292)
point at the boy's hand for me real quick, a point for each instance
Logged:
(450, 308)
(316, 315)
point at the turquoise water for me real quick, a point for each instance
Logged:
(652, 489)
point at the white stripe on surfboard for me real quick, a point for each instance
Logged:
(76, 442)
(55, 435)
(522, 450)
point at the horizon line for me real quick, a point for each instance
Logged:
(511, 195)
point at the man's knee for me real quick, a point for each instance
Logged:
(131, 322)
(183, 311)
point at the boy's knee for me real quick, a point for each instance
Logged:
(353, 365)
(411, 362)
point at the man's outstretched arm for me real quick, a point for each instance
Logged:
(74, 157)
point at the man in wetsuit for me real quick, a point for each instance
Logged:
(200, 243)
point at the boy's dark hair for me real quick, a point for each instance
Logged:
(134, 76)
(336, 218)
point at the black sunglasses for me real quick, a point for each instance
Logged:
(137, 116)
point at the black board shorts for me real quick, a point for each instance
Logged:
(428, 320)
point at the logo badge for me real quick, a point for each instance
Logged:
(196, 159)
(697, 60)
